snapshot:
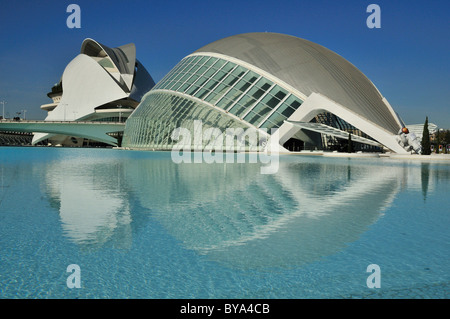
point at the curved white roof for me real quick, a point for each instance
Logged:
(97, 76)
(309, 68)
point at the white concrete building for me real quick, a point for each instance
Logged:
(267, 82)
(100, 84)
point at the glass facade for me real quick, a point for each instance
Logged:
(335, 121)
(333, 143)
(161, 113)
(205, 84)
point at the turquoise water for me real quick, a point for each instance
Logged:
(140, 226)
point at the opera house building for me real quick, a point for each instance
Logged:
(100, 84)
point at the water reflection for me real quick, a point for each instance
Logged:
(91, 201)
(312, 208)
(243, 219)
(425, 178)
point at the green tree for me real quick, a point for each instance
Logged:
(426, 146)
(445, 140)
(438, 140)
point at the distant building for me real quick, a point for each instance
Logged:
(15, 138)
(100, 84)
(417, 129)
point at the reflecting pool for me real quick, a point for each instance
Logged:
(141, 226)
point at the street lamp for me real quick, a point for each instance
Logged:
(3, 102)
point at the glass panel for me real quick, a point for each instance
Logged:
(211, 84)
(268, 101)
(202, 93)
(193, 79)
(255, 93)
(219, 76)
(281, 94)
(264, 84)
(267, 104)
(194, 69)
(283, 112)
(238, 72)
(228, 67)
(231, 80)
(217, 93)
(229, 98)
(288, 112)
(194, 59)
(278, 93)
(223, 87)
(274, 121)
(203, 60)
(182, 76)
(184, 87)
(251, 77)
(237, 91)
(210, 62)
(240, 109)
(252, 118)
(247, 101)
(196, 86)
(225, 103)
(293, 102)
(176, 86)
(245, 83)
(201, 70)
(209, 73)
(177, 77)
(219, 63)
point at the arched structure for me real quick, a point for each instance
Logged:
(266, 82)
(99, 84)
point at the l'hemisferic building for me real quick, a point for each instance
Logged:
(268, 82)
(274, 84)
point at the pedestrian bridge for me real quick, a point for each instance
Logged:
(91, 130)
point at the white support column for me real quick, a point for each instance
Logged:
(317, 103)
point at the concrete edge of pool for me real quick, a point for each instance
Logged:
(432, 157)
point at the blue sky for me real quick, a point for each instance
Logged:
(407, 58)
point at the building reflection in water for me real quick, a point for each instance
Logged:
(93, 207)
(228, 212)
(425, 179)
(236, 216)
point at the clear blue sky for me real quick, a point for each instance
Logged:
(407, 59)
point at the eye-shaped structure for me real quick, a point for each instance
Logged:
(268, 82)
(99, 84)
